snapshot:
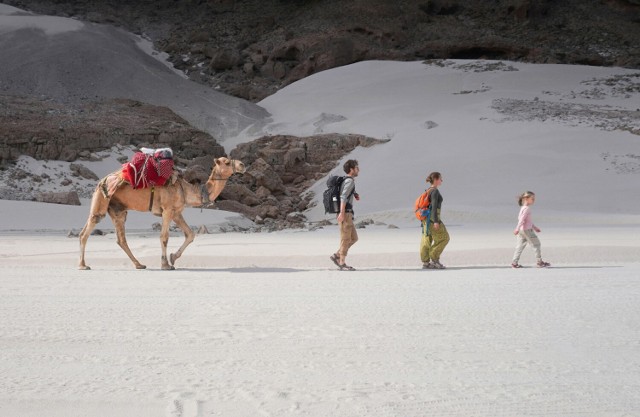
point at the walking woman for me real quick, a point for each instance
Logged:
(434, 234)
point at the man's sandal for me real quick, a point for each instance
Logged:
(345, 267)
(335, 259)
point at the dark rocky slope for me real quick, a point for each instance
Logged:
(250, 48)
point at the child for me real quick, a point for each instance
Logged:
(526, 231)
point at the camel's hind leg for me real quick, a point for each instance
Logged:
(119, 218)
(188, 236)
(97, 212)
(164, 239)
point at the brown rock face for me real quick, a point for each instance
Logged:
(48, 131)
(280, 170)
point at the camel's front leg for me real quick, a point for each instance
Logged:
(164, 239)
(97, 212)
(84, 236)
(188, 236)
(119, 218)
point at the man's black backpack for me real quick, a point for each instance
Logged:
(331, 196)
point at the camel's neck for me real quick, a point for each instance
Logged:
(198, 196)
(214, 187)
(202, 195)
(192, 194)
(216, 182)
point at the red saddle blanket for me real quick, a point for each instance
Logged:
(148, 170)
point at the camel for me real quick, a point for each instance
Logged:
(166, 201)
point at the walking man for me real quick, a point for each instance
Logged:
(348, 234)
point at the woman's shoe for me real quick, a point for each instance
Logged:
(437, 265)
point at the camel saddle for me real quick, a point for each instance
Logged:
(148, 168)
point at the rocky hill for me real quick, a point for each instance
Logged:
(250, 48)
(272, 192)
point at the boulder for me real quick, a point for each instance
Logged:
(237, 207)
(262, 174)
(241, 193)
(69, 198)
(223, 59)
(82, 171)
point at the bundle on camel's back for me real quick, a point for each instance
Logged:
(115, 197)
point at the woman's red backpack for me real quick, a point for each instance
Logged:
(422, 204)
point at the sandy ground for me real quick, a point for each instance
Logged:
(263, 325)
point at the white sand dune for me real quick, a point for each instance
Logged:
(263, 324)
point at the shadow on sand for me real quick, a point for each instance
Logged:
(280, 270)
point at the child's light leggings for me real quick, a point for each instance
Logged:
(524, 237)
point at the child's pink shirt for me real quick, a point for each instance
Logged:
(524, 219)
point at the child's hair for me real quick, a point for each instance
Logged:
(524, 195)
(349, 165)
(433, 176)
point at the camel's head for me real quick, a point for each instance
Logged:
(225, 167)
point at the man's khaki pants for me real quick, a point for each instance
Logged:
(348, 236)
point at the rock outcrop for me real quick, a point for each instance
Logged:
(46, 130)
(280, 170)
(272, 192)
